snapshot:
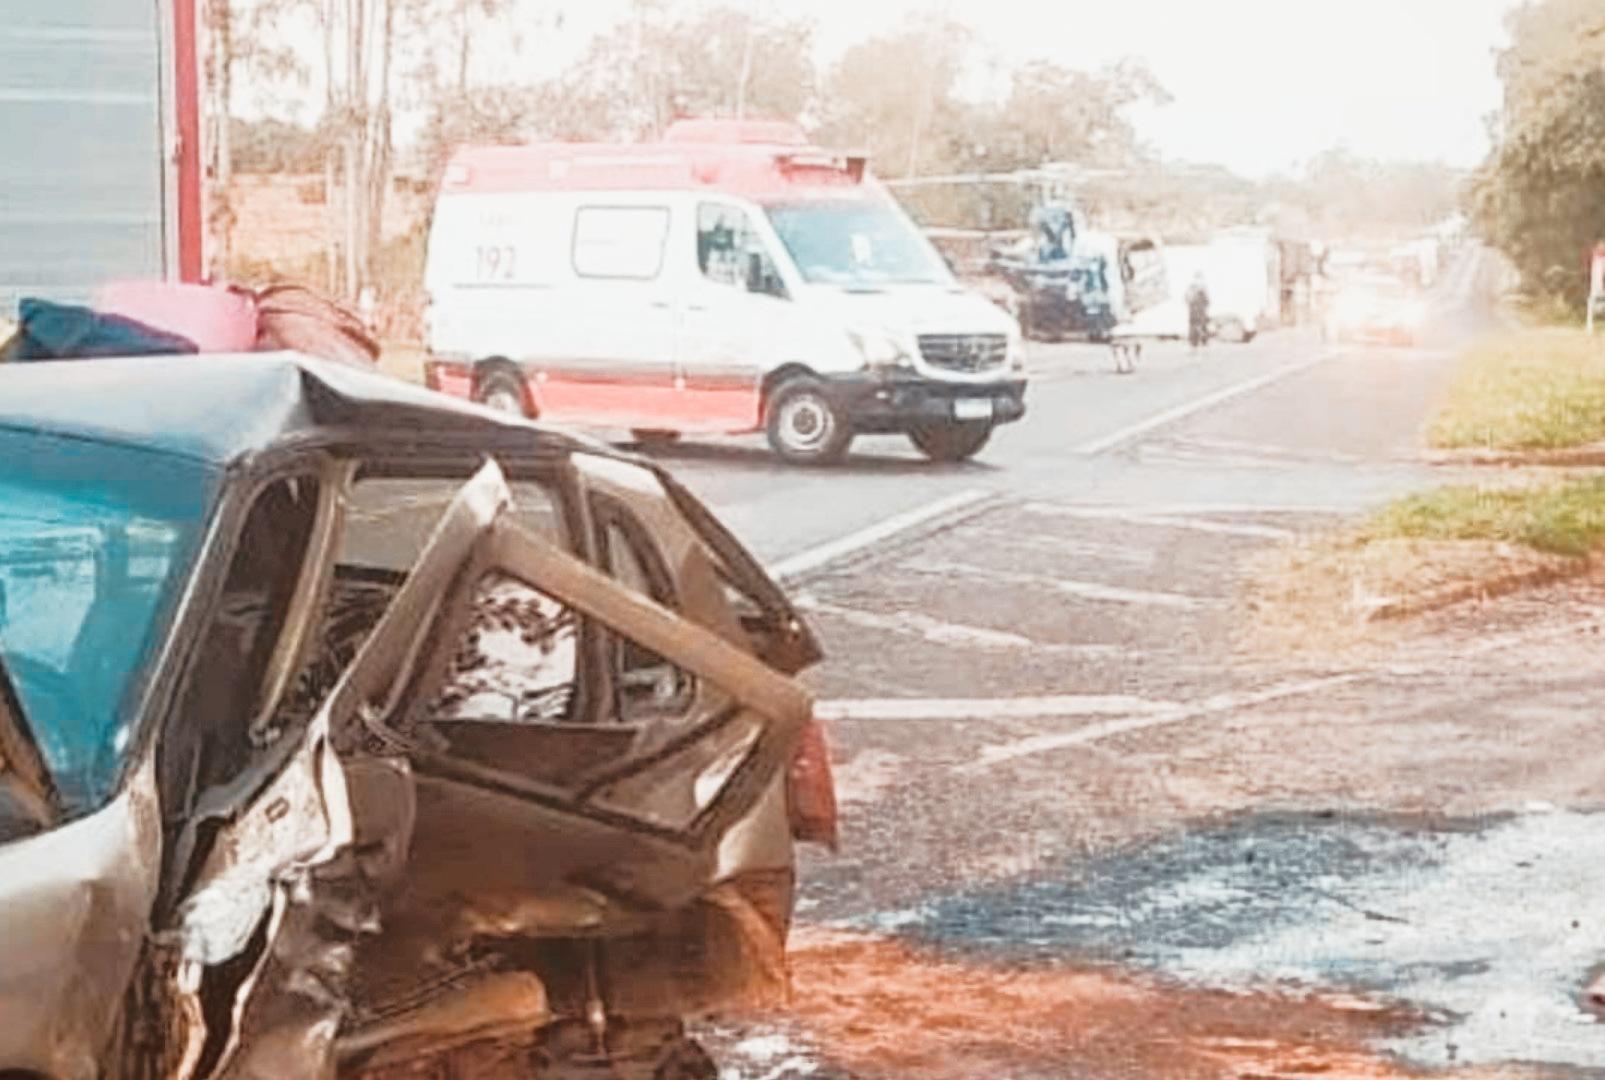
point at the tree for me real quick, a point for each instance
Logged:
(237, 45)
(1340, 193)
(1540, 196)
(656, 65)
(359, 69)
(1055, 114)
(462, 110)
(275, 146)
(485, 115)
(897, 97)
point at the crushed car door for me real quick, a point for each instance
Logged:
(627, 814)
(255, 795)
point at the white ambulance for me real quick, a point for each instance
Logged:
(730, 278)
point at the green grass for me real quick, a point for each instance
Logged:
(1536, 390)
(1560, 518)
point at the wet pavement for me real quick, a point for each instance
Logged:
(1484, 928)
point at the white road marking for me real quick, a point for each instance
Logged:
(1260, 532)
(924, 626)
(1211, 706)
(1023, 708)
(1185, 509)
(1260, 452)
(1257, 532)
(1083, 590)
(1186, 409)
(1081, 549)
(808, 561)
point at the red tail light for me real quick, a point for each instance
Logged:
(811, 790)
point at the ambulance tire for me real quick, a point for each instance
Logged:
(804, 426)
(951, 442)
(501, 389)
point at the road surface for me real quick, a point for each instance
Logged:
(1089, 833)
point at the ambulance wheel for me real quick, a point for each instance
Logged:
(804, 425)
(951, 442)
(501, 390)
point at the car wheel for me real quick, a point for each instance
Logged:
(501, 390)
(804, 425)
(1232, 331)
(650, 437)
(951, 442)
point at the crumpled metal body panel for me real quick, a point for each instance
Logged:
(74, 905)
(619, 851)
(652, 843)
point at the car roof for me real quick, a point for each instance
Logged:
(217, 408)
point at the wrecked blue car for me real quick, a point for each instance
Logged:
(344, 726)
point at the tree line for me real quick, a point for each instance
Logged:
(1540, 196)
(922, 99)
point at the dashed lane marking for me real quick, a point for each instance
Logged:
(1082, 590)
(1022, 708)
(1189, 509)
(1078, 549)
(1234, 702)
(1258, 452)
(815, 558)
(1222, 528)
(1126, 434)
(941, 632)
(918, 624)
(1211, 706)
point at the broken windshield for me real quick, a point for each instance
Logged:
(93, 544)
(857, 243)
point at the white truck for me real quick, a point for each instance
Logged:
(1241, 271)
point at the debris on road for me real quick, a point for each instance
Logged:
(871, 1007)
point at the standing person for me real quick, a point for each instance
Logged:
(1198, 312)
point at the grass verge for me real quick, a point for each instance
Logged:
(1336, 591)
(1564, 517)
(1541, 389)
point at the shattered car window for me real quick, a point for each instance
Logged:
(214, 740)
(517, 662)
(648, 685)
(92, 545)
(389, 520)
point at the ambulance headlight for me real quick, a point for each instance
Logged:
(879, 347)
(1016, 352)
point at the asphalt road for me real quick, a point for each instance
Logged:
(1060, 767)
(1256, 423)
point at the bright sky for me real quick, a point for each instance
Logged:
(1259, 84)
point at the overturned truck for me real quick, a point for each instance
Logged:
(349, 730)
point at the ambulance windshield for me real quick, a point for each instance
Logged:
(857, 243)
